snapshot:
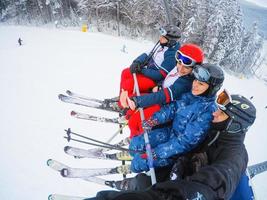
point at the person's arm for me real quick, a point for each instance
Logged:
(181, 85)
(193, 134)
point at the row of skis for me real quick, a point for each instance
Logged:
(101, 150)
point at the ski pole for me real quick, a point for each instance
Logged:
(101, 144)
(116, 133)
(148, 147)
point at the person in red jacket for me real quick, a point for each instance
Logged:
(152, 67)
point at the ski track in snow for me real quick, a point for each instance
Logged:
(33, 120)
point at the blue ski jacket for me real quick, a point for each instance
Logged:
(191, 118)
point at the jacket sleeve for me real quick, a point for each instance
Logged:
(181, 85)
(166, 113)
(193, 134)
(141, 58)
(155, 74)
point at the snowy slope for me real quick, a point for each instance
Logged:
(33, 119)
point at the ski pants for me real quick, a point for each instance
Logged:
(145, 86)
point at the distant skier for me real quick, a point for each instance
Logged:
(218, 175)
(124, 49)
(20, 41)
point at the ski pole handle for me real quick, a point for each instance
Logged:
(148, 147)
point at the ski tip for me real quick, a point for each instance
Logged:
(50, 197)
(64, 172)
(73, 113)
(66, 149)
(49, 161)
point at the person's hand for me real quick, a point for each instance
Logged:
(131, 103)
(139, 164)
(136, 67)
(155, 89)
(123, 98)
(149, 124)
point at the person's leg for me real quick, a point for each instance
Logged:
(127, 82)
(134, 121)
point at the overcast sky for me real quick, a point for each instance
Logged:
(259, 2)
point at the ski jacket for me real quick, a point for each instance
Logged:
(182, 85)
(160, 64)
(191, 117)
(227, 162)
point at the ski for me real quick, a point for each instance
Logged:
(83, 153)
(64, 197)
(70, 93)
(256, 169)
(89, 172)
(58, 166)
(108, 106)
(86, 116)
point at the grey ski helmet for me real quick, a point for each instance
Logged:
(173, 32)
(242, 114)
(211, 74)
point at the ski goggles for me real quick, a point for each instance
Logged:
(201, 74)
(162, 31)
(223, 99)
(184, 59)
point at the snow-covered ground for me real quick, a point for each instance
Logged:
(33, 119)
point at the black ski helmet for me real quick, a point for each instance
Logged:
(242, 114)
(211, 74)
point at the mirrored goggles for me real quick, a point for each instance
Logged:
(162, 31)
(184, 59)
(201, 74)
(223, 99)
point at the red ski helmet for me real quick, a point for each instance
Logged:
(193, 51)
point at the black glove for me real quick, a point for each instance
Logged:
(136, 67)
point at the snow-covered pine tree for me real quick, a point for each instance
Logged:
(251, 44)
(213, 30)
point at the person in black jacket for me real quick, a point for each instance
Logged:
(212, 171)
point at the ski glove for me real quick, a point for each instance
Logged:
(136, 67)
(139, 164)
(149, 124)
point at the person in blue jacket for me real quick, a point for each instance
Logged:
(177, 82)
(191, 117)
